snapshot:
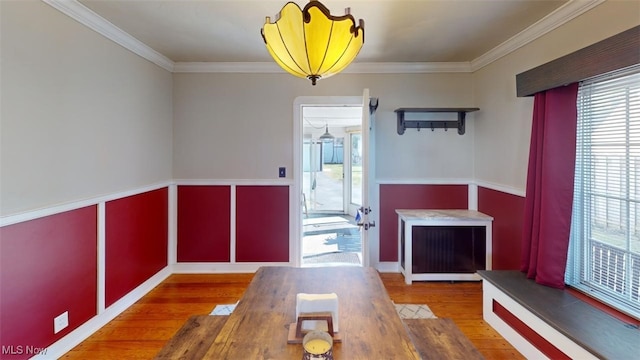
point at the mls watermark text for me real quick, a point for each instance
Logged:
(23, 350)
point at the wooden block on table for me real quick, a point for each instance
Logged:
(194, 338)
(440, 339)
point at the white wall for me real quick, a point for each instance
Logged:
(503, 126)
(425, 154)
(83, 117)
(239, 126)
(80, 116)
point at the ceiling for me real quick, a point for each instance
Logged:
(395, 30)
(407, 32)
(316, 117)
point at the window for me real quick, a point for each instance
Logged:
(604, 252)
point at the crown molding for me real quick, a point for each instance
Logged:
(90, 19)
(560, 16)
(354, 68)
(408, 67)
(565, 13)
(227, 67)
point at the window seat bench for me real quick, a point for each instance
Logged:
(543, 322)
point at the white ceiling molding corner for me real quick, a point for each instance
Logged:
(90, 19)
(561, 15)
(407, 67)
(354, 68)
(227, 67)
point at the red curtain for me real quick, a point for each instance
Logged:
(549, 197)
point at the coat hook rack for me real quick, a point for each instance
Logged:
(433, 124)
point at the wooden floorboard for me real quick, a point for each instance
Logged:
(439, 339)
(141, 331)
(459, 301)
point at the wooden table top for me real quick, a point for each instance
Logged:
(369, 324)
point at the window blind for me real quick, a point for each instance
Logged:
(604, 252)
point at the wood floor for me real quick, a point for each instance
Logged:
(143, 329)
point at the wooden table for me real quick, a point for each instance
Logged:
(369, 324)
(194, 338)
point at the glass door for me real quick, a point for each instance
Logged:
(330, 235)
(323, 175)
(356, 170)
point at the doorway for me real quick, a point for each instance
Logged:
(331, 184)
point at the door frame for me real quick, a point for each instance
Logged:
(295, 242)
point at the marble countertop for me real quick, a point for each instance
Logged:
(442, 214)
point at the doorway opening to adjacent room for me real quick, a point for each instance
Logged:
(331, 184)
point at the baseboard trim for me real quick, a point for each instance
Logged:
(81, 333)
(388, 267)
(67, 343)
(220, 268)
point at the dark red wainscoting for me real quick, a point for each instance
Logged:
(398, 196)
(262, 223)
(528, 333)
(47, 266)
(136, 241)
(507, 211)
(204, 223)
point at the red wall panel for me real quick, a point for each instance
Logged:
(507, 211)
(136, 241)
(262, 223)
(398, 196)
(47, 266)
(204, 223)
(528, 333)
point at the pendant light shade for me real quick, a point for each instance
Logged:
(311, 43)
(326, 136)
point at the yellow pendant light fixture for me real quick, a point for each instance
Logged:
(311, 43)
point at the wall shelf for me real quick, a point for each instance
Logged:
(433, 124)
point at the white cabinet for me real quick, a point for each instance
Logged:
(443, 244)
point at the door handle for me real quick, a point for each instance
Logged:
(367, 225)
(365, 211)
